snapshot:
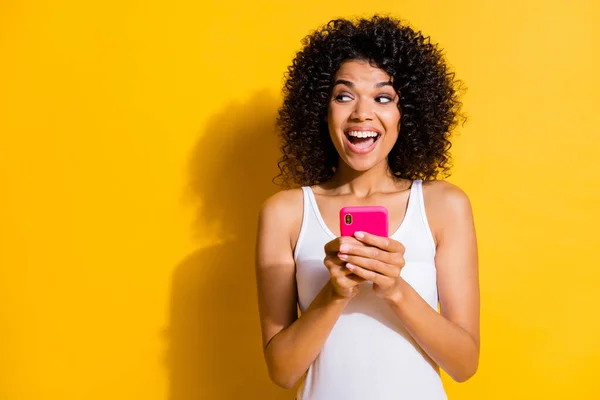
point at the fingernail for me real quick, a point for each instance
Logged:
(350, 266)
(359, 235)
(342, 256)
(344, 248)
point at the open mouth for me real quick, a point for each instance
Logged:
(362, 140)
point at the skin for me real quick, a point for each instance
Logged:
(291, 343)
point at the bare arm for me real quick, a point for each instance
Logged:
(290, 343)
(450, 338)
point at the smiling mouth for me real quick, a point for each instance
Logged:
(362, 140)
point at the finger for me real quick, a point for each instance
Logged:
(334, 245)
(330, 262)
(382, 242)
(349, 281)
(366, 251)
(335, 265)
(337, 269)
(372, 265)
(369, 275)
(356, 278)
(340, 271)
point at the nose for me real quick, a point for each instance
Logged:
(362, 110)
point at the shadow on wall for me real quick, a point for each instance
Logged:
(214, 341)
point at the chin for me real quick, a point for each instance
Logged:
(361, 165)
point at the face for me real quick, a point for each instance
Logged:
(363, 115)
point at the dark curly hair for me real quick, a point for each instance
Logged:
(427, 89)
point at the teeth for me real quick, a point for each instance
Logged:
(362, 134)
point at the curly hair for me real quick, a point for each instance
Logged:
(427, 89)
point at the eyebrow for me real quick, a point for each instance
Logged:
(351, 84)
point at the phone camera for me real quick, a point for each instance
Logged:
(348, 219)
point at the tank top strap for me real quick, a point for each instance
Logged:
(307, 211)
(306, 195)
(420, 206)
(413, 204)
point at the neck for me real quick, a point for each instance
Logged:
(378, 179)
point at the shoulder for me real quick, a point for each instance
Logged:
(282, 203)
(282, 213)
(445, 195)
(445, 204)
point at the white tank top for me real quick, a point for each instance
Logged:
(368, 354)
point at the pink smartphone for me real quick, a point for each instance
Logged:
(371, 219)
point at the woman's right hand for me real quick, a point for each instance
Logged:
(343, 281)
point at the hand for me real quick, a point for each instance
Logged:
(377, 259)
(343, 281)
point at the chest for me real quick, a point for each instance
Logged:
(328, 208)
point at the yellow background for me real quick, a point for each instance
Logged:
(137, 144)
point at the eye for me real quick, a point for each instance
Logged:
(340, 98)
(384, 99)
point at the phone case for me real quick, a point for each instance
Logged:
(371, 219)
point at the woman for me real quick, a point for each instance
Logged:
(366, 120)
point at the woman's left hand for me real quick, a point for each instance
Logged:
(380, 261)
